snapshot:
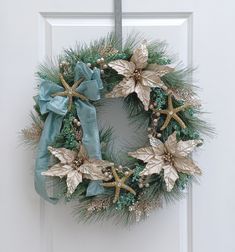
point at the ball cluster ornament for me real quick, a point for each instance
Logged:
(74, 152)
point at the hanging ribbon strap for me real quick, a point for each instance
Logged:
(57, 107)
(118, 22)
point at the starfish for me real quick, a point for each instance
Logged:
(119, 184)
(70, 91)
(171, 112)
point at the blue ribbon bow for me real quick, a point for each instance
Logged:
(56, 107)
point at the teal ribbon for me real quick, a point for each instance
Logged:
(56, 107)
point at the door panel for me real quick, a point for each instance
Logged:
(60, 31)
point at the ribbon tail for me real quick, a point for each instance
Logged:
(87, 115)
(51, 128)
(95, 188)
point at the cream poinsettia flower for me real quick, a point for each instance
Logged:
(171, 157)
(75, 166)
(139, 77)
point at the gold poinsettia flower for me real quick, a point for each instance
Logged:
(75, 166)
(139, 76)
(171, 157)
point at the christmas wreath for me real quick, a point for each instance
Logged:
(74, 159)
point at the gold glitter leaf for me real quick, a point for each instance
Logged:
(140, 56)
(122, 89)
(74, 178)
(150, 79)
(144, 154)
(143, 93)
(64, 155)
(58, 170)
(184, 148)
(123, 67)
(170, 176)
(92, 169)
(187, 165)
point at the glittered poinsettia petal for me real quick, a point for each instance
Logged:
(186, 165)
(64, 155)
(159, 150)
(123, 67)
(170, 176)
(57, 170)
(122, 89)
(143, 94)
(154, 166)
(158, 146)
(154, 142)
(140, 56)
(171, 144)
(150, 79)
(144, 154)
(184, 148)
(74, 178)
(92, 169)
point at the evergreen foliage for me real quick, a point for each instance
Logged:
(67, 135)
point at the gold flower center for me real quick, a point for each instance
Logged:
(77, 163)
(137, 75)
(168, 158)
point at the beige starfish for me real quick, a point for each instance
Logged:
(70, 91)
(171, 113)
(119, 184)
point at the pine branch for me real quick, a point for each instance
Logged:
(49, 70)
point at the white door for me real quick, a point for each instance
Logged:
(202, 33)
